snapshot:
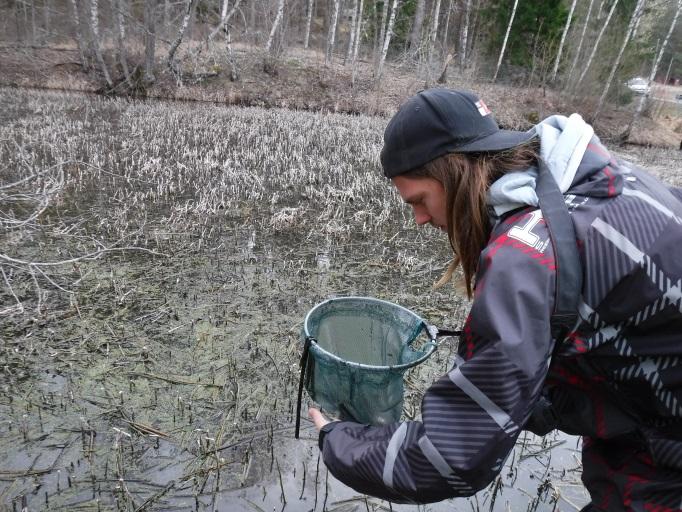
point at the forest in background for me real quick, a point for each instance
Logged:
(570, 43)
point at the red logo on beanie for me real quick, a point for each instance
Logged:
(482, 108)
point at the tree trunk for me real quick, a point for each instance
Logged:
(252, 22)
(358, 32)
(234, 73)
(652, 75)
(535, 48)
(416, 32)
(34, 30)
(331, 35)
(432, 39)
(149, 41)
(563, 40)
(170, 61)
(446, 28)
(166, 18)
(356, 46)
(121, 14)
(351, 33)
(506, 37)
(225, 17)
(596, 43)
(275, 25)
(667, 73)
(46, 20)
(387, 39)
(85, 62)
(464, 34)
(634, 20)
(310, 6)
(582, 38)
(94, 33)
(382, 35)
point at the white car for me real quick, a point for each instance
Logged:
(638, 85)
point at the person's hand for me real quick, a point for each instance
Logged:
(318, 419)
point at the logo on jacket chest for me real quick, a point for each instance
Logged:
(526, 235)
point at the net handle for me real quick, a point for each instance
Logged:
(437, 332)
(304, 367)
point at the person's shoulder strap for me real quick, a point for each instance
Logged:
(567, 259)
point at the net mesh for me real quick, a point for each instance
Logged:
(360, 348)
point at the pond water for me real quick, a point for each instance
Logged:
(151, 312)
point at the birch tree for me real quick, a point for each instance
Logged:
(433, 34)
(225, 17)
(94, 36)
(310, 6)
(170, 60)
(46, 20)
(331, 35)
(654, 70)
(275, 25)
(149, 40)
(85, 63)
(582, 38)
(387, 40)
(351, 33)
(506, 37)
(121, 12)
(415, 40)
(464, 34)
(382, 33)
(563, 40)
(596, 43)
(356, 45)
(223, 25)
(634, 21)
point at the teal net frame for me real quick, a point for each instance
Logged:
(355, 353)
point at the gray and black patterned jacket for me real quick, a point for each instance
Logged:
(616, 379)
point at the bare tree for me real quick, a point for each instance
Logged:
(225, 17)
(121, 14)
(596, 43)
(351, 33)
(634, 20)
(415, 40)
(275, 25)
(382, 33)
(506, 37)
(652, 74)
(149, 41)
(46, 20)
(356, 46)
(582, 38)
(310, 6)
(223, 25)
(331, 35)
(85, 62)
(432, 36)
(563, 39)
(464, 34)
(95, 41)
(387, 40)
(170, 60)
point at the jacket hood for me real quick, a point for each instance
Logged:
(563, 146)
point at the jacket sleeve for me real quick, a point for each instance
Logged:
(471, 416)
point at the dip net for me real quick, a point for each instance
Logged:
(356, 350)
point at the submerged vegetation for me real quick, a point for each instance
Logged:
(157, 261)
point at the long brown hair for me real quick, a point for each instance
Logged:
(466, 178)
